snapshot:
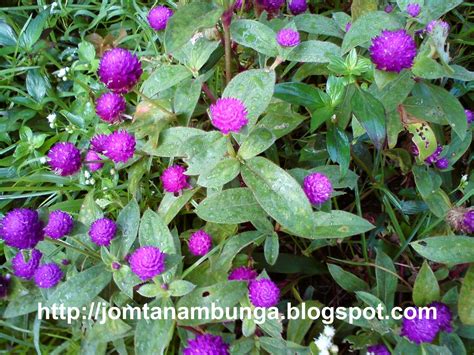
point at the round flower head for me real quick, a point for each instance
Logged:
(92, 161)
(200, 243)
(21, 228)
(158, 17)
(469, 116)
(119, 70)
(419, 330)
(206, 344)
(264, 293)
(393, 51)
(317, 187)
(228, 115)
(434, 157)
(110, 106)
(119, 146)
(378, 349)
(48, 275)
(147, 262)
(98, 143)
(59, 224)
(442, 163)
(388, 9)
(238, 5)
(243, 273)
(173, 179)
(64, 158)
(288, 37)
(102, 231)
(25, 263)
(297, 6)
(413, 9)
(272, 5)
(438, 24)
(468, 221)
(443, 316)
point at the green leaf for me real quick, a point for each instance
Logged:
(22, 301)
(368, 26)
(317, 25)
(153, 336)
(280, 123)
(86, 51)
(435, 104)
(360, 7)
(223, 172)
(395, 91)
(232, 206)
(348, 281)
(188, 20)
(171, 142)
(301, 94)
(33, 31)
(163, 78)
(279, 195)
(426, 288)
(434, 9)
(298, 327)
(180, 288)
(108, 329)
(371, 114)
(255, 88)
(338, 224)
(424, 138)
(338, 147)
(386, 281)
(428, 184)
(81, 288)
(7, 35)
(89, 210)
(203, 152)
(453, 342)
(258, 141)
(271, 248)
(153, 231)
(313, 52)
(186, 98)
(171, 205)
(127, 221)
(255, 35)
(453, 250)
(126, 280)
(36, 84)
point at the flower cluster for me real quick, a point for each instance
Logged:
(318, 188)
(147, 262)
(200, 243)
(228, 115)
(243, 273)
(288, 37)
(158, 17)
(263, 293)
(297, 7)
(324, 342)
(206, 344)
(102, 231)
(435, 158)
(174, 179)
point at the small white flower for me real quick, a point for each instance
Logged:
(87, 174)
(112, 171)
(87, 182)
(61, 72)
(329, 331)
(334, 349)
(43, 160)
(92, 181)
(51, 117)
(323, 342)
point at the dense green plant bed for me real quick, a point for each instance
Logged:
(274, 157)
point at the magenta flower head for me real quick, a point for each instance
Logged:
(64, 158)
(110, 106)
(243, 273)
(318, 188)
(288, 37)
(272, 5)
(119, 70)
(98, 143)
(444, 316)
(393, 51)
(228, 115)
(158, 17)
(206, 344)
(200, 243)
(438, 24)
(442, 163)
(468, 221)
(119, 146)
(173, 179)
(388, 9)
(297, 6)
(469, 116)
(21, 228)
(48, 275)
(435, 156)
(147, 262)
(264, 293)
(25, 263)
(102, 231)
(420, 329)
(413, 9)
(378, 349)
(59, 224)
(93, 161)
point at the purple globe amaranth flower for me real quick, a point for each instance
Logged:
(348, 26)
(98, 143)
(110, 107)
(444, 316)
(116, 265)
(158, 17)
(414, 150)
(92, 161)
(264, 293)
(206, 344)
(272, 5)
(297, 6)
(59, 224)
(228, 114)
(238, 5)
(318, 188)
(64, 158)
(173, 179)
(119, 70)
(243, 273)
(102, 231)
(435, 156)
(388, 9)
(147, 262)
(21, 228)
(378, 349)
(200, 243)
(413, 9)
(419, 329)
(393, 51)
(469, 116)
(119, 146)
(288, 37)
(442, 163)
(25, 267)
(48, 275)
(433, 25)
(468, 221)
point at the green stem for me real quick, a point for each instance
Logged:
(70, 246)
(227, 53)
